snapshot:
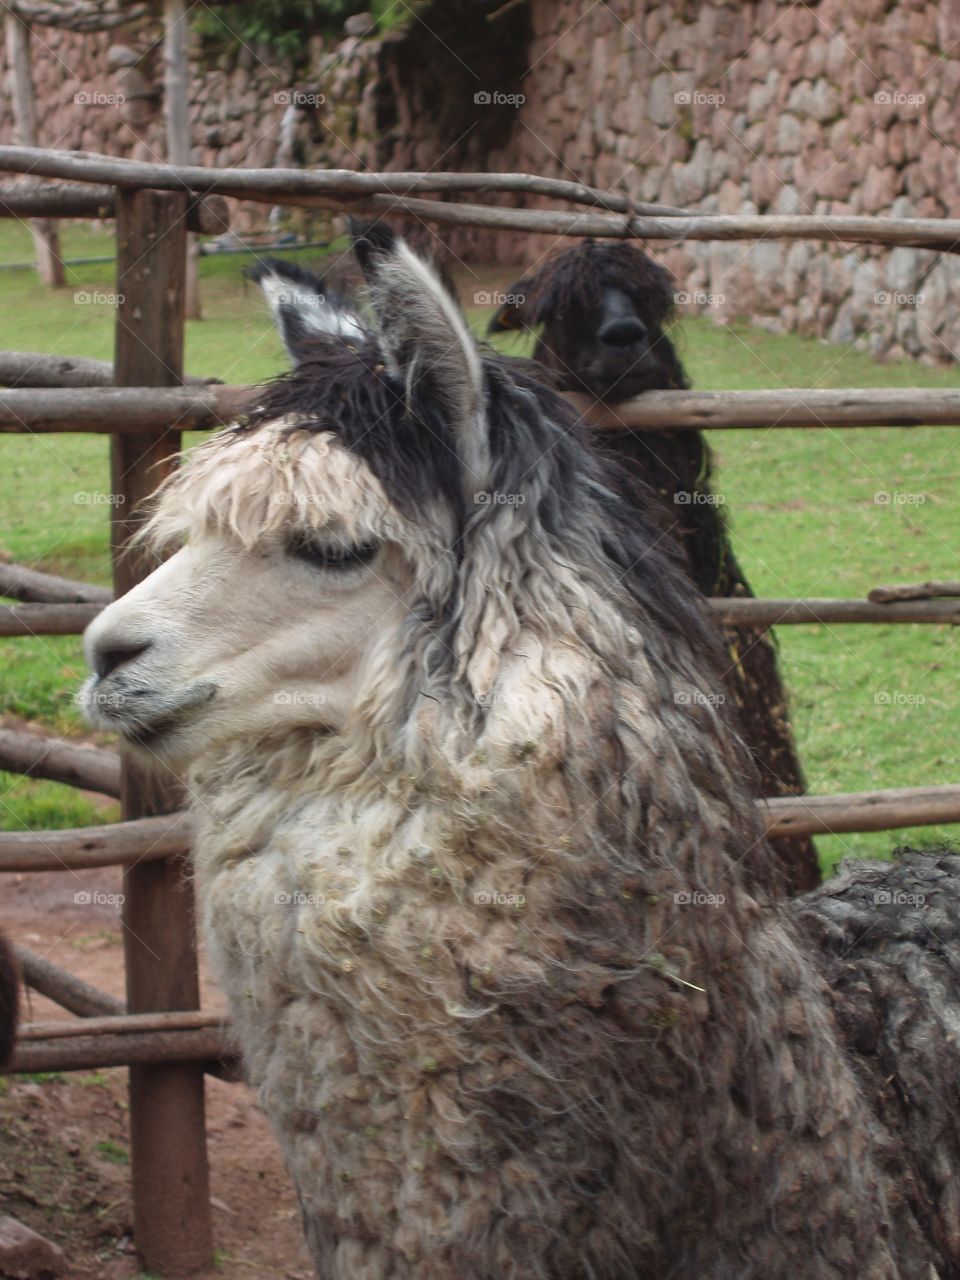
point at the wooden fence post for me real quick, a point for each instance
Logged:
(176, 114)
(46, 236)
(172, 1227)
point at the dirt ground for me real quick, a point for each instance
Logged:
(64, 1153)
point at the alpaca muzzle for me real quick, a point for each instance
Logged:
(129, 693)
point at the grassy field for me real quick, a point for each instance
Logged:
(872, 706)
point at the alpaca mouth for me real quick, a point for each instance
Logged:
(129, 712)
(150, 733)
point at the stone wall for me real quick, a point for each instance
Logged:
(841, 106)
(103, 93)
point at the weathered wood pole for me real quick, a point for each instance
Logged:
(171, 1200)
(176, 114)
(46, 237)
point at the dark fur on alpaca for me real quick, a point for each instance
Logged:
(888, 938)
(9, 999)
(603, 308)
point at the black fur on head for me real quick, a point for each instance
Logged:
(583, 297)
(602, 306)
(304, 304)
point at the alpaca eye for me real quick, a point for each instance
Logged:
(333, 555)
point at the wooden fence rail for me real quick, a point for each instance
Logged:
(72, 619)
(66, 990)
(208, 215)
(35, 369)
(105, 1048)
(243, 184)
(40, 755)
(46, 619)
(777, 613)
(782, 408)
(118, 410)
(889, 810)
(117, 844)
(89, 1003)
(34, 587)
(136, 410)
(380, 194)
(150, 839)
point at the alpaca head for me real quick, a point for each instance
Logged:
(401, 523)
(602, 307)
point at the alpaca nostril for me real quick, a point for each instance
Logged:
(625, 331)
(107, 659)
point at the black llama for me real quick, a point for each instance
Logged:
(604, 308)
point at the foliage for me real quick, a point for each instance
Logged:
(284, 25)
(112, 1151)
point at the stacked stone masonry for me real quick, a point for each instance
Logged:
(841, 106)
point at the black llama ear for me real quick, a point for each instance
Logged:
(304, 305)
(425, 339)
(510, 315)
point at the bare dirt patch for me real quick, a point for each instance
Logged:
(64, 1151)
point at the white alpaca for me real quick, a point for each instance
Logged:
(454, 767)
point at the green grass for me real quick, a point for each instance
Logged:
(805, 522)
(113, 1152)
(801, 506)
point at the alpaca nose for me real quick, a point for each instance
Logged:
(108, 656)
(622, 331)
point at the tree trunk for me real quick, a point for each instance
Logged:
(46, 237)
(176, 112)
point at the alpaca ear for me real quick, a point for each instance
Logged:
(304, 306)
(510, 317)
(426, 341)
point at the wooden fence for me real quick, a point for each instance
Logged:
(143, 404)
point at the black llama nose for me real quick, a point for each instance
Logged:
(106, 658)
(622, 331)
